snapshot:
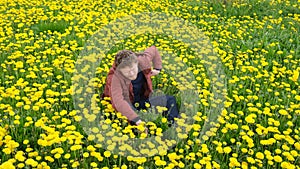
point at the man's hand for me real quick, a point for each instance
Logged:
(138, 122)
(146, 129)
(154, 72)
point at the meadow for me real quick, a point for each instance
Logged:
(239, 92)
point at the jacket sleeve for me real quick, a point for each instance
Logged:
(151, 55)
(118, 101)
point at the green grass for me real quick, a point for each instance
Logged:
(44, 26)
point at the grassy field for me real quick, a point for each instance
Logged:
(256, 125)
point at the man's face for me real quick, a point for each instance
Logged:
(130, 72)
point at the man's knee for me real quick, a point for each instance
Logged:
(171, 100)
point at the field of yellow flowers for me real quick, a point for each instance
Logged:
(44, 116)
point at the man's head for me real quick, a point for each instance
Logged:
(127, 63)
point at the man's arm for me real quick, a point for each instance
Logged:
(151, 55)
(120, 104)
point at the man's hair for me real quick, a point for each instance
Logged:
(125, 58)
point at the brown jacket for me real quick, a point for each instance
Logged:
(120, 89)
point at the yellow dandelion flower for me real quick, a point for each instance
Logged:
(7, 165)
(67, 156)
(277, 159)
(295, 76)
(31, 162)
(107, 154)
(259, 155)
(27, 107)
(19, 156)
(57, 155)
(227, 149)
(250, 118)
(283, 112)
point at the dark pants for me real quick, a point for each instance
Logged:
(164, 101)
